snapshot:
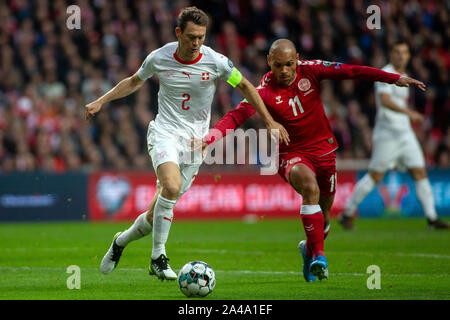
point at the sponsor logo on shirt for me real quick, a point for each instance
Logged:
(287, 163)
(278, 100)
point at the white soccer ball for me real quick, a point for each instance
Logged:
(196, 279)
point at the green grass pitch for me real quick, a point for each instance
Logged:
(252, 261)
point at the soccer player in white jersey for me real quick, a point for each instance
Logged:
(187, 72)
(394, 144)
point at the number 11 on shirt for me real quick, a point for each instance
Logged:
(294, 102)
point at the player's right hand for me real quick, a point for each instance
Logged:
(92, 108)
(283, 134)
(404, 81)
(199, 143)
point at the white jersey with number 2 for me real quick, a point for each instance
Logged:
(186, 89)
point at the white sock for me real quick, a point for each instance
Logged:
(362, 189)
(140, 228)
(310, 209)
(162, 220)
(425, 196)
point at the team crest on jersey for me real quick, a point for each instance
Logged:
(304, 84)
(205, 80)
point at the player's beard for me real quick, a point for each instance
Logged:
(286, 81)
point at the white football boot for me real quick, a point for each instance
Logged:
(160, 268)
(112, 257)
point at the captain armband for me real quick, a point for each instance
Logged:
(235, 78)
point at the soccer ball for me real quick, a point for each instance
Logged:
(196, 279)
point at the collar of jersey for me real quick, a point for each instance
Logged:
(292, 85)
(187, 62)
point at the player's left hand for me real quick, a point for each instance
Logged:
(283, 134)
(406, 82)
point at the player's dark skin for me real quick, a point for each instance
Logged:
(282, 60)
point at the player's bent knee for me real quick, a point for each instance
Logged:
(171, 190)
(310, 192)
(311, 188)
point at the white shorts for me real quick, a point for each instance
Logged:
(166, 147)
(395, 150)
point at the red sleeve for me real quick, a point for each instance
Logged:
(340, 71)
(231, 120)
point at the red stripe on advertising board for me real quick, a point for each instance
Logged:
(122, 196)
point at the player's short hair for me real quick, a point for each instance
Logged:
(197, 16)
(399, 43)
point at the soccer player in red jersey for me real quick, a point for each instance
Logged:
(291, 92)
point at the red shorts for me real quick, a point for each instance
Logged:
(323, 167)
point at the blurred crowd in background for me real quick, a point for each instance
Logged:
(49, 72)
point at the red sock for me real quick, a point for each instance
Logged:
(308, 249)
(326, 231)
(313, 225)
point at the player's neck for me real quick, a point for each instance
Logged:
(398, 69)
(186, 57)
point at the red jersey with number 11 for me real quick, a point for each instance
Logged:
(299, 107)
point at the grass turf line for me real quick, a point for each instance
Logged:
(252, 261)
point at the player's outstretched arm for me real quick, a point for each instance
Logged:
(341, 71)
(124, 88)
(406, 82)
(249, 92)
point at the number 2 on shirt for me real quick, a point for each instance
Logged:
(294, 102)
(186, 97)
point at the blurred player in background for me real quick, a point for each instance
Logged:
(291, 92)
(187, 72)
(394, 144)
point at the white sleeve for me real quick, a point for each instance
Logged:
(383, 87)
(147, 68)
(224, 66)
